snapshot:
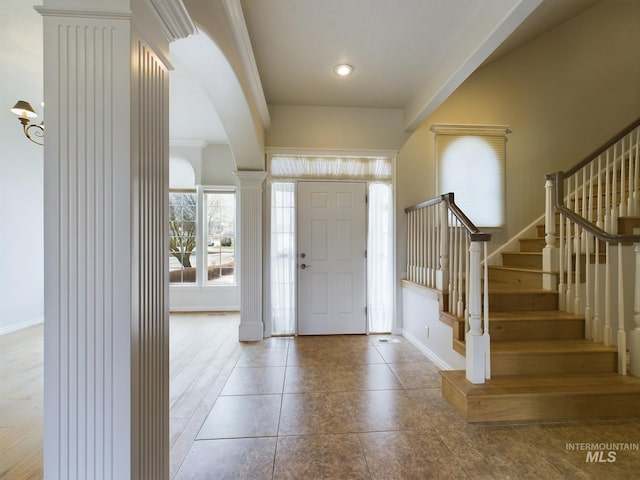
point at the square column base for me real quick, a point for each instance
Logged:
(250, 331)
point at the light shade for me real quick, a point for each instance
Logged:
(24, 110)
(343, 69)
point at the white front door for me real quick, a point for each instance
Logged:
(332, 290)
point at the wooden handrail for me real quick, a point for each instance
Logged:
(475, 234)
(603, 148)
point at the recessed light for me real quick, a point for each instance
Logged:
(343, 69)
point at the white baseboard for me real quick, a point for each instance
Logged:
(432, 356)
(19, 326)
(205, 308)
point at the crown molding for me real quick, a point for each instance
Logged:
(233, 9)
(84, 13)
(174, 18)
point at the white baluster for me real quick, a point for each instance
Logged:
(599, 218)
(428, 242)
(613, 222)
(437, 210)
(588, 289)
(562, 304)
(577, 248)
(452, 256)
(636, 185)
(475, 344)
(606, 336)
(569, 299)
(634, 336)
(623, 202)
(453, 267)
(630, 205)
(409, 245)
(466, 283)
(597, 323)
(583, 238)
(622, 335)
(443, 273)
(461, 256)
(607, 198)
(487, 338)
(419, 241)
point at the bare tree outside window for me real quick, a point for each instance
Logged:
(220, 237)
(182, 236)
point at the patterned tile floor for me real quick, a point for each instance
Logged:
(351, 407)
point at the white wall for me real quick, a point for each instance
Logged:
(218, 165)
(421, 325)
(21, 170)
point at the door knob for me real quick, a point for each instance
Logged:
(303, 266)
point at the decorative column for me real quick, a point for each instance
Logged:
(249, 235)
(106, 387)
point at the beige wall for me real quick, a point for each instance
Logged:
(335, 128)
(563, 95)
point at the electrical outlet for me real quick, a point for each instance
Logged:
(426, 330)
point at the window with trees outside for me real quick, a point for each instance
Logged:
(202, 237)
(221, 242)
(183, 213)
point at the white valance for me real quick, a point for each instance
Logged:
(335, 167)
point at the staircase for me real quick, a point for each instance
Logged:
(542, 367)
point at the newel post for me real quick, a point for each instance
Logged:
(634, 335)
(550, 262)
(476, 344)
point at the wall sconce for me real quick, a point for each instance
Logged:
(32, 131)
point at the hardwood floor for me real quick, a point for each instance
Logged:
(315, 407)
(21, 404)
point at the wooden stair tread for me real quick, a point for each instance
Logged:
(572, 384)
(532, 315)
(527, 254)
(546, 346)
(517, 269)
(508, 288)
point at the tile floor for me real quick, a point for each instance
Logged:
(350, 407)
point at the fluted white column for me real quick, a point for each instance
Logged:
(249, 223)
(106, 391)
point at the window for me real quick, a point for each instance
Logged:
(283, 257)
(202, 252)
(183, 213)
(221, 241)
(471, 164)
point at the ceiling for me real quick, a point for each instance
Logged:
(398, 49)
(395, 47)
